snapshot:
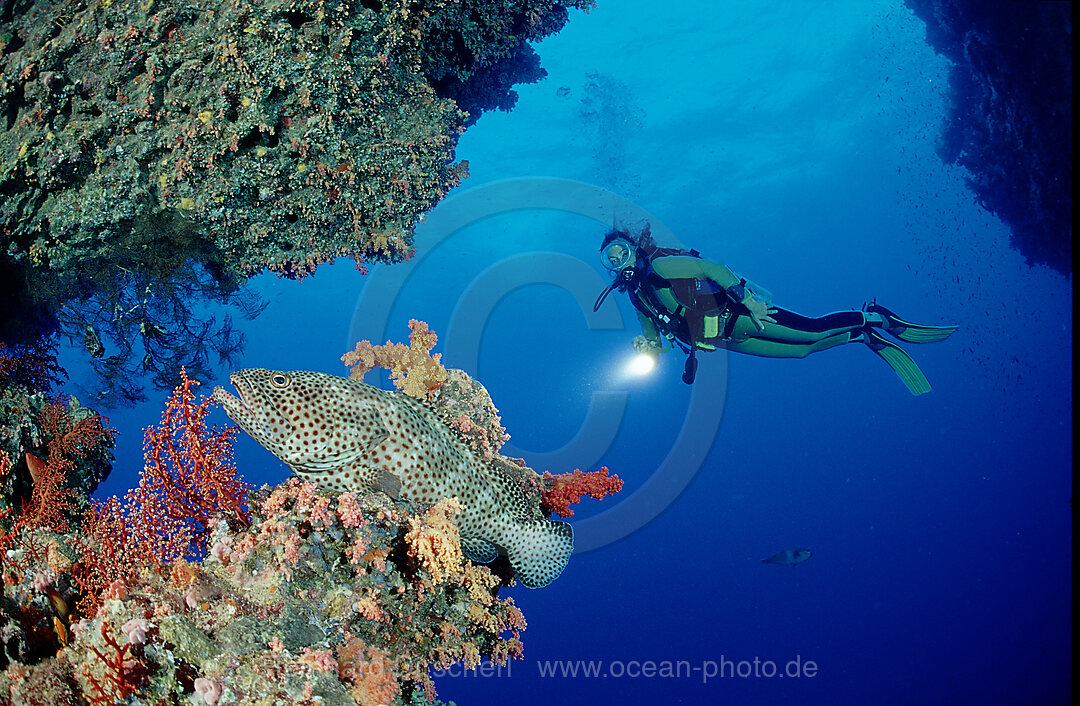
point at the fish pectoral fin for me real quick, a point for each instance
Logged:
(374, 478)
(479, 550)
(387, 482)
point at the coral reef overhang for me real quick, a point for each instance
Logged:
(278, 134)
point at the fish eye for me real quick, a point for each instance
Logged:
(279, 380)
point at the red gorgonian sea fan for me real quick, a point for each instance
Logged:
(188, 481)
(189, 473)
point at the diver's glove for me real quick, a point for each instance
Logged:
(648, 345)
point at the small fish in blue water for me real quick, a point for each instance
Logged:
(789, 557)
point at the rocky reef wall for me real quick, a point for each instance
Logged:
(1010, 122)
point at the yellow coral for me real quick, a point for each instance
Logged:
(478, 582)
(413, 369)
(435, 543)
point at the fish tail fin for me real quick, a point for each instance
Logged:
(540, 552)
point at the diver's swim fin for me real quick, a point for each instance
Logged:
(898, 360)
(907, 331)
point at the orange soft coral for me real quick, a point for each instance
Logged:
(369, 672)
(413, 369)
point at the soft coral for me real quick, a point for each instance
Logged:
(563, 490)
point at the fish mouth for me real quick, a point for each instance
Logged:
(236, 405)
(243, 392)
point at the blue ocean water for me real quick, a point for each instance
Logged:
(794, 142)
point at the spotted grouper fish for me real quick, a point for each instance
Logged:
(345, 435)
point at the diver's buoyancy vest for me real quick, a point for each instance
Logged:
(693, 312)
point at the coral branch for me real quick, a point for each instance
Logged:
(120, 671)
(32, 365)
(52, 501)
(188, 481)
(69, 435)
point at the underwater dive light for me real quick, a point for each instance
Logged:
(641, 364)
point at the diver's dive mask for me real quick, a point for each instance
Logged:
(617, 255)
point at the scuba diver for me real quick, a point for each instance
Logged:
(702, 305)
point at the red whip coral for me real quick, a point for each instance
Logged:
(563, 490)
(413, 369)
